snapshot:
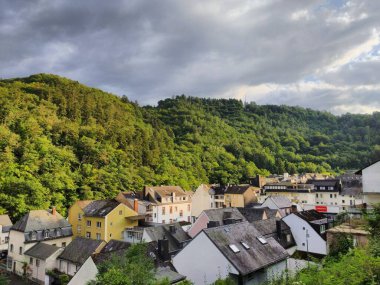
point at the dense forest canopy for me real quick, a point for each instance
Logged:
(61, 141)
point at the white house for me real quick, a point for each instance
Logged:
(37, 226)
(371, 183)
(237, 250)
(309, 231)
(5, 226)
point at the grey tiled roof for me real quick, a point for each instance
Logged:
(79, 250)
(220, 214)
(281, 201)
(252, 214)
(42, 250)
(100, 208)
(38, 220)
(169, 273)
(246, 260)
(237, 189)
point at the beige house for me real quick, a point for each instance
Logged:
(207, 197)
(37, 226)
(5, 225)
(240, 195)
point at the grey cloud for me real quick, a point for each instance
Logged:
(151, 50)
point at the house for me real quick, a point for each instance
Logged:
(37, 226)
(240, 195)
(215, 217)
(76, 254)
(134, 200)
(5, 226)
(41, 258)
(327, 191)
(164, 268)
(237, 250)
(258, 214)
(171, 238)
(101, 219)
(309, 231)
(168, 204)
(297, 193)
(371, 181)
(207, 197)
(356, 232)
(280, 203)
(86, 273)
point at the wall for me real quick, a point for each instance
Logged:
(115, 223)
(175, 215)
(201, 262)
(3, 236)
(200, 200)
(200, 224)
(316, 244)
(234, 200)
(86, 273)
(45, 265)
(371, 178)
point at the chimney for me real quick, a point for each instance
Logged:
(53, 211)
(163, 249)
(278, 228)
(136, 205)
(212, 224)
(172, 229)
(294, 209)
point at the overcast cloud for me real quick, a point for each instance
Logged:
(319, 54)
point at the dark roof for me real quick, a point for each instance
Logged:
(252, 214)
(280, 201)
(324, 182)
(237, 189)
(311, 216)
(353, 191)
(115, 245)
(38, 220)
(41, 250)
(218, 215)
(100, 208)
(6, 229)
(217, 190)
(166, 272)
(246, 260)
(176, 237)
(268, 227)
(79, 250)
(271, 213)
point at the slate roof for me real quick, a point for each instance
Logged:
(42, 250)
(38, 220)
(271, 213)
(281, 201)
(246, 260)
(79, 250)
(5, 220)
(237, 189)
(268, 227)
(217, 190)
(165, 191)
(100, 208)
(169, 273)
(222, 213)
(252, 214)
(324, 182)
(176, 239)
(353, 191)
(311, 216)
(115, 245)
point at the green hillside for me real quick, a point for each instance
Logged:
(61, 141)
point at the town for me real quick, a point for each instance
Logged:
(249, 233)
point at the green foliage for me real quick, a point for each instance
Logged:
(61, 141)
(3, 280)
(340, 245)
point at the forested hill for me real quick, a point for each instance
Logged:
(61, 141)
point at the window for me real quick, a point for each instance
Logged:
(320, 195)
(33, 235)
(11, 248)
(343, 201)
(6, 239)
(31, 260)
(334, 195)
(331, 188)
(46, 234)
(322, 188)
(288, 238)
(79, 228)
(110, 235)
(37, 262)
(98, 224)
(63, 244)
(175, 209)
(171, 210)
(330, 195)
(88, 235)
(183, 198)
(262, 240)
(234, 248)
(317, 203)
(120, 212)
(171, 221)
(163, 210)
(323, 229)
(88, 223)
(188, 207)
(79, 217)
(316, 195)
(54, 244)
(163, 221)
(155, 215)
(20, 250)
(98, 236)
(181, 213)
(58, 232)
(111, 224)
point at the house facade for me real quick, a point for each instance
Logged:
(37, 226)
(101, 219)
(241, 195)
(207, 197)
(371, 180)
(5, 226)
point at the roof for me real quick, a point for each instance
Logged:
(237, 189)
(324, 182)
(5, 220)
(41, 250)
(280, 201)
(348, 229)
(220, 214)
(353, 191)
(165, 191)
(100, 208)
(311, 216)
(37, 220)
(271, 213)
(268, 227)
(217, 190)
(246, 260)
(79, 250)
(252, 214)
(175, 237)
(115, 245)
(163, 272)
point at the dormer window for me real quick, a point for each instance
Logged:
(33, 235)
(262, 240)
(58, 232)
(46, 233)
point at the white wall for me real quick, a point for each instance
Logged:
(201, 200)
(175, 215)
(298, 226)
(371, 178)
(201, 262)
(3, 236)
(86, 273)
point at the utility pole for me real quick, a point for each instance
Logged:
(307, 246)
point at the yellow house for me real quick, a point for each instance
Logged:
(101, 219)
(240, 195)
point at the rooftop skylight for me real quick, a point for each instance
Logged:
(246, 246)
(234, 248)
(262, 240)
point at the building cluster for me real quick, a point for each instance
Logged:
(246, 232)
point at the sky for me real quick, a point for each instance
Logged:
(323, 55)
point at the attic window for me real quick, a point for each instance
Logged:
(262, 240)
(246, 246)
(234, 248)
